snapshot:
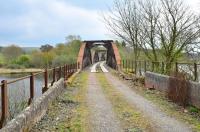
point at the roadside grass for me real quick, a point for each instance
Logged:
(79, 121)
(69, 112)
(189, 115)
(131, 119)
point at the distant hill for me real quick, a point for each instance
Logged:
(30, 49)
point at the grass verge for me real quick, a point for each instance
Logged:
(79, 121)
(132, 119)
(68, 113)
(190, 115)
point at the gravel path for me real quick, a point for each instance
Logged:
(102, 117)
(160, 121)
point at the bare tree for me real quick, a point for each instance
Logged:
(164, 29)
(150, 13)
(124, 21)
(177, 30)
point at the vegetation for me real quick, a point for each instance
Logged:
(131, 118)
(190, 114)
(15, 57)
(160, 30)
(69, 112)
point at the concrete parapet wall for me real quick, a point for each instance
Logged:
(35, 111)
(161, 83)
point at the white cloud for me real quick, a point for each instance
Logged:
(55, 19)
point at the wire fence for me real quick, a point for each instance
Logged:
(19, 93)
(191, 70)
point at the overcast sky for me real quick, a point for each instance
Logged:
(37, 22)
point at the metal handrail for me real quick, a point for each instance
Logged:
(67, 70)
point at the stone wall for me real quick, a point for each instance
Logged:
(35, 111)
(161, 83)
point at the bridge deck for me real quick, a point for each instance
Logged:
(101, 102)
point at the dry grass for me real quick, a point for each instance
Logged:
(167, 106)
(69, 112)
(16, 71)
(79, 121)
(131, 118)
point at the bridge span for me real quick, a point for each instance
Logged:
(113, 58)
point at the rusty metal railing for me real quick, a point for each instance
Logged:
(192, 70)
(57, 73)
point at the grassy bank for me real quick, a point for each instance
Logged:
(18, 71)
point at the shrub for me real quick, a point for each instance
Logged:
(15, 66)
(63, 59)
(23, 60)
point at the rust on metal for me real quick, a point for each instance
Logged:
(31, 89)
(4, 103)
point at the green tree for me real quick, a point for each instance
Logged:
(12, 52)
(23, 60)
(46, 48)
(72, 38)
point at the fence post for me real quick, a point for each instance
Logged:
(152, 67)
(176, 66)
(67, 70)
(163, 67)
(195, 72)
(145, 66)
(135, 67)
(54, 76)
(4, 103)
(64, 74)
(74, 67)
(122, 65)
(31, 89)
(45, 81)
(132, 67)
(125, 65)
(140, 70)
(60, 72)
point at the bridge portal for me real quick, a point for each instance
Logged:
(85, 57)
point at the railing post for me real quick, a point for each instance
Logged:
(64, 75)
(4, 103)
(126, 65)
(135, 67)
(76, 66)
(60, 72)
(176, 66)
(132, 67)
(67, 70)
(195, 72)
(31, 89)
(122, 64)
(140, 70)
(45, 81)
(71, 69)
(163, 67)
(145, 66)
(54, 76)
(152, 67)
